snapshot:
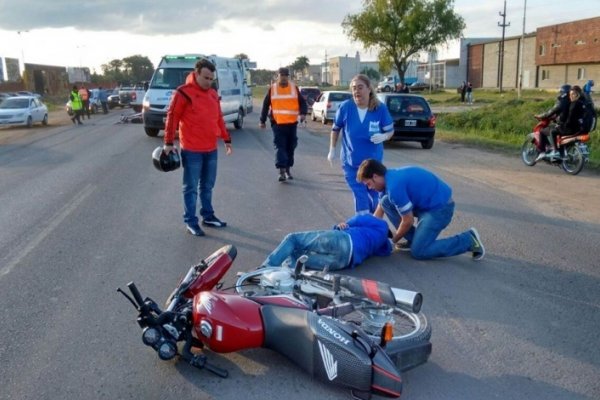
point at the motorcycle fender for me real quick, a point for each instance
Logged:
(325, 349)
(218, 264)
(235, 322)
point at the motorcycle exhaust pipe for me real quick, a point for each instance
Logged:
(407, 299)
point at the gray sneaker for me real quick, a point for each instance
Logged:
(402, 246)
(477, 246)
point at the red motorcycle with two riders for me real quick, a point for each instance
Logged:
(356, 333)
(574, 150)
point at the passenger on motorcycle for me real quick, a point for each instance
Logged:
(573, 124)
(560, 111)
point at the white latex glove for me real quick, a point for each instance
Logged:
(380, 137)
(331, 155)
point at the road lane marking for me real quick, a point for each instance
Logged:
(54, 223)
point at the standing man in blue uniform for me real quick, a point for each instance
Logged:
(412, 192)
(365, 124)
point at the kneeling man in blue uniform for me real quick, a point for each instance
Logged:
(411, 193)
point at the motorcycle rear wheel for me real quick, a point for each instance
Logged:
(529, 151)
(574, 160)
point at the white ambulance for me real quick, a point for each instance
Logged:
(231, 81)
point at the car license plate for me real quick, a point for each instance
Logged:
(410, 122)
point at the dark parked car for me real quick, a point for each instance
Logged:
(113, 98)
(420, 86)
(413, 119)
(310, 94)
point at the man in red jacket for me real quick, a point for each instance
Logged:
(195, 110)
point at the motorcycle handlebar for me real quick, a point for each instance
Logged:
(136, 293)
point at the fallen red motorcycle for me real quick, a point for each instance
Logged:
(311, 331)
(574, 152)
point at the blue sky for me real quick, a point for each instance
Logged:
(272, 32)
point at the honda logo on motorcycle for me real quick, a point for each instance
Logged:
(333, 332)
(329, 362)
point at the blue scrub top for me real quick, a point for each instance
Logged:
(356, 143)
(415, 189)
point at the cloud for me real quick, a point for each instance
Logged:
(165, 18)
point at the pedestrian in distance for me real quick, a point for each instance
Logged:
(469, 93)
(463, 91)
(76, 106)
(84, 93)
(413, 193)
(103, 97)
(588, 89)
(364, 124)
(283, 103)
(195, 111)
(347, 245)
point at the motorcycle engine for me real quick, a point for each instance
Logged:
(280, 280)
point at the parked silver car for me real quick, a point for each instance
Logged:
(327, 104)
(23, 110)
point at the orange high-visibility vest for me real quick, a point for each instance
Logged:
(284, 103)
(84, 94)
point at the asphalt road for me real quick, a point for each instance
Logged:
(83, 212)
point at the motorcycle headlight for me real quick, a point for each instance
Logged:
(167, 350)
(151, 336)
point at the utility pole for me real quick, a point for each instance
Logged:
(521, 52)
(501, 52)
(326, 69)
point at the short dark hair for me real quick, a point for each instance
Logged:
(368, 168)
(283, 71)
(204, 63)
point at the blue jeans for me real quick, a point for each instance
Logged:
(199, 175)
(365, 200)
(331, 249)
(285, 140)
(423, 238)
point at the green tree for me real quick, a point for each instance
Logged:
(112, 70)
(138, 68)
(300, 64)
(371, 73)
(399, 29)
(242, 56)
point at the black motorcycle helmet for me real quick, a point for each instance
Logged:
(564, 90)
(166, 162)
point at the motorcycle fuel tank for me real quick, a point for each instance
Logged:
(227, 322)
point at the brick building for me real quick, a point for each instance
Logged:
(568, 52)
(552, 56)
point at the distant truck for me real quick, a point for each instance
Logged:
(132, 96)
(231, 82)
(389, 83)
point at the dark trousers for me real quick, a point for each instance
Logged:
(86, 107)
(104, 107)
(285, 140)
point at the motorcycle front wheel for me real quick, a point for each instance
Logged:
(409, 328)
(529, 151)
(574, 160)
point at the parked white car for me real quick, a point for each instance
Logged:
(327, 104)
(23, 110)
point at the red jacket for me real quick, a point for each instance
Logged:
(197, 114)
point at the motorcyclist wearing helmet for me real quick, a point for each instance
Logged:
(560, 111)
(587, 89)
